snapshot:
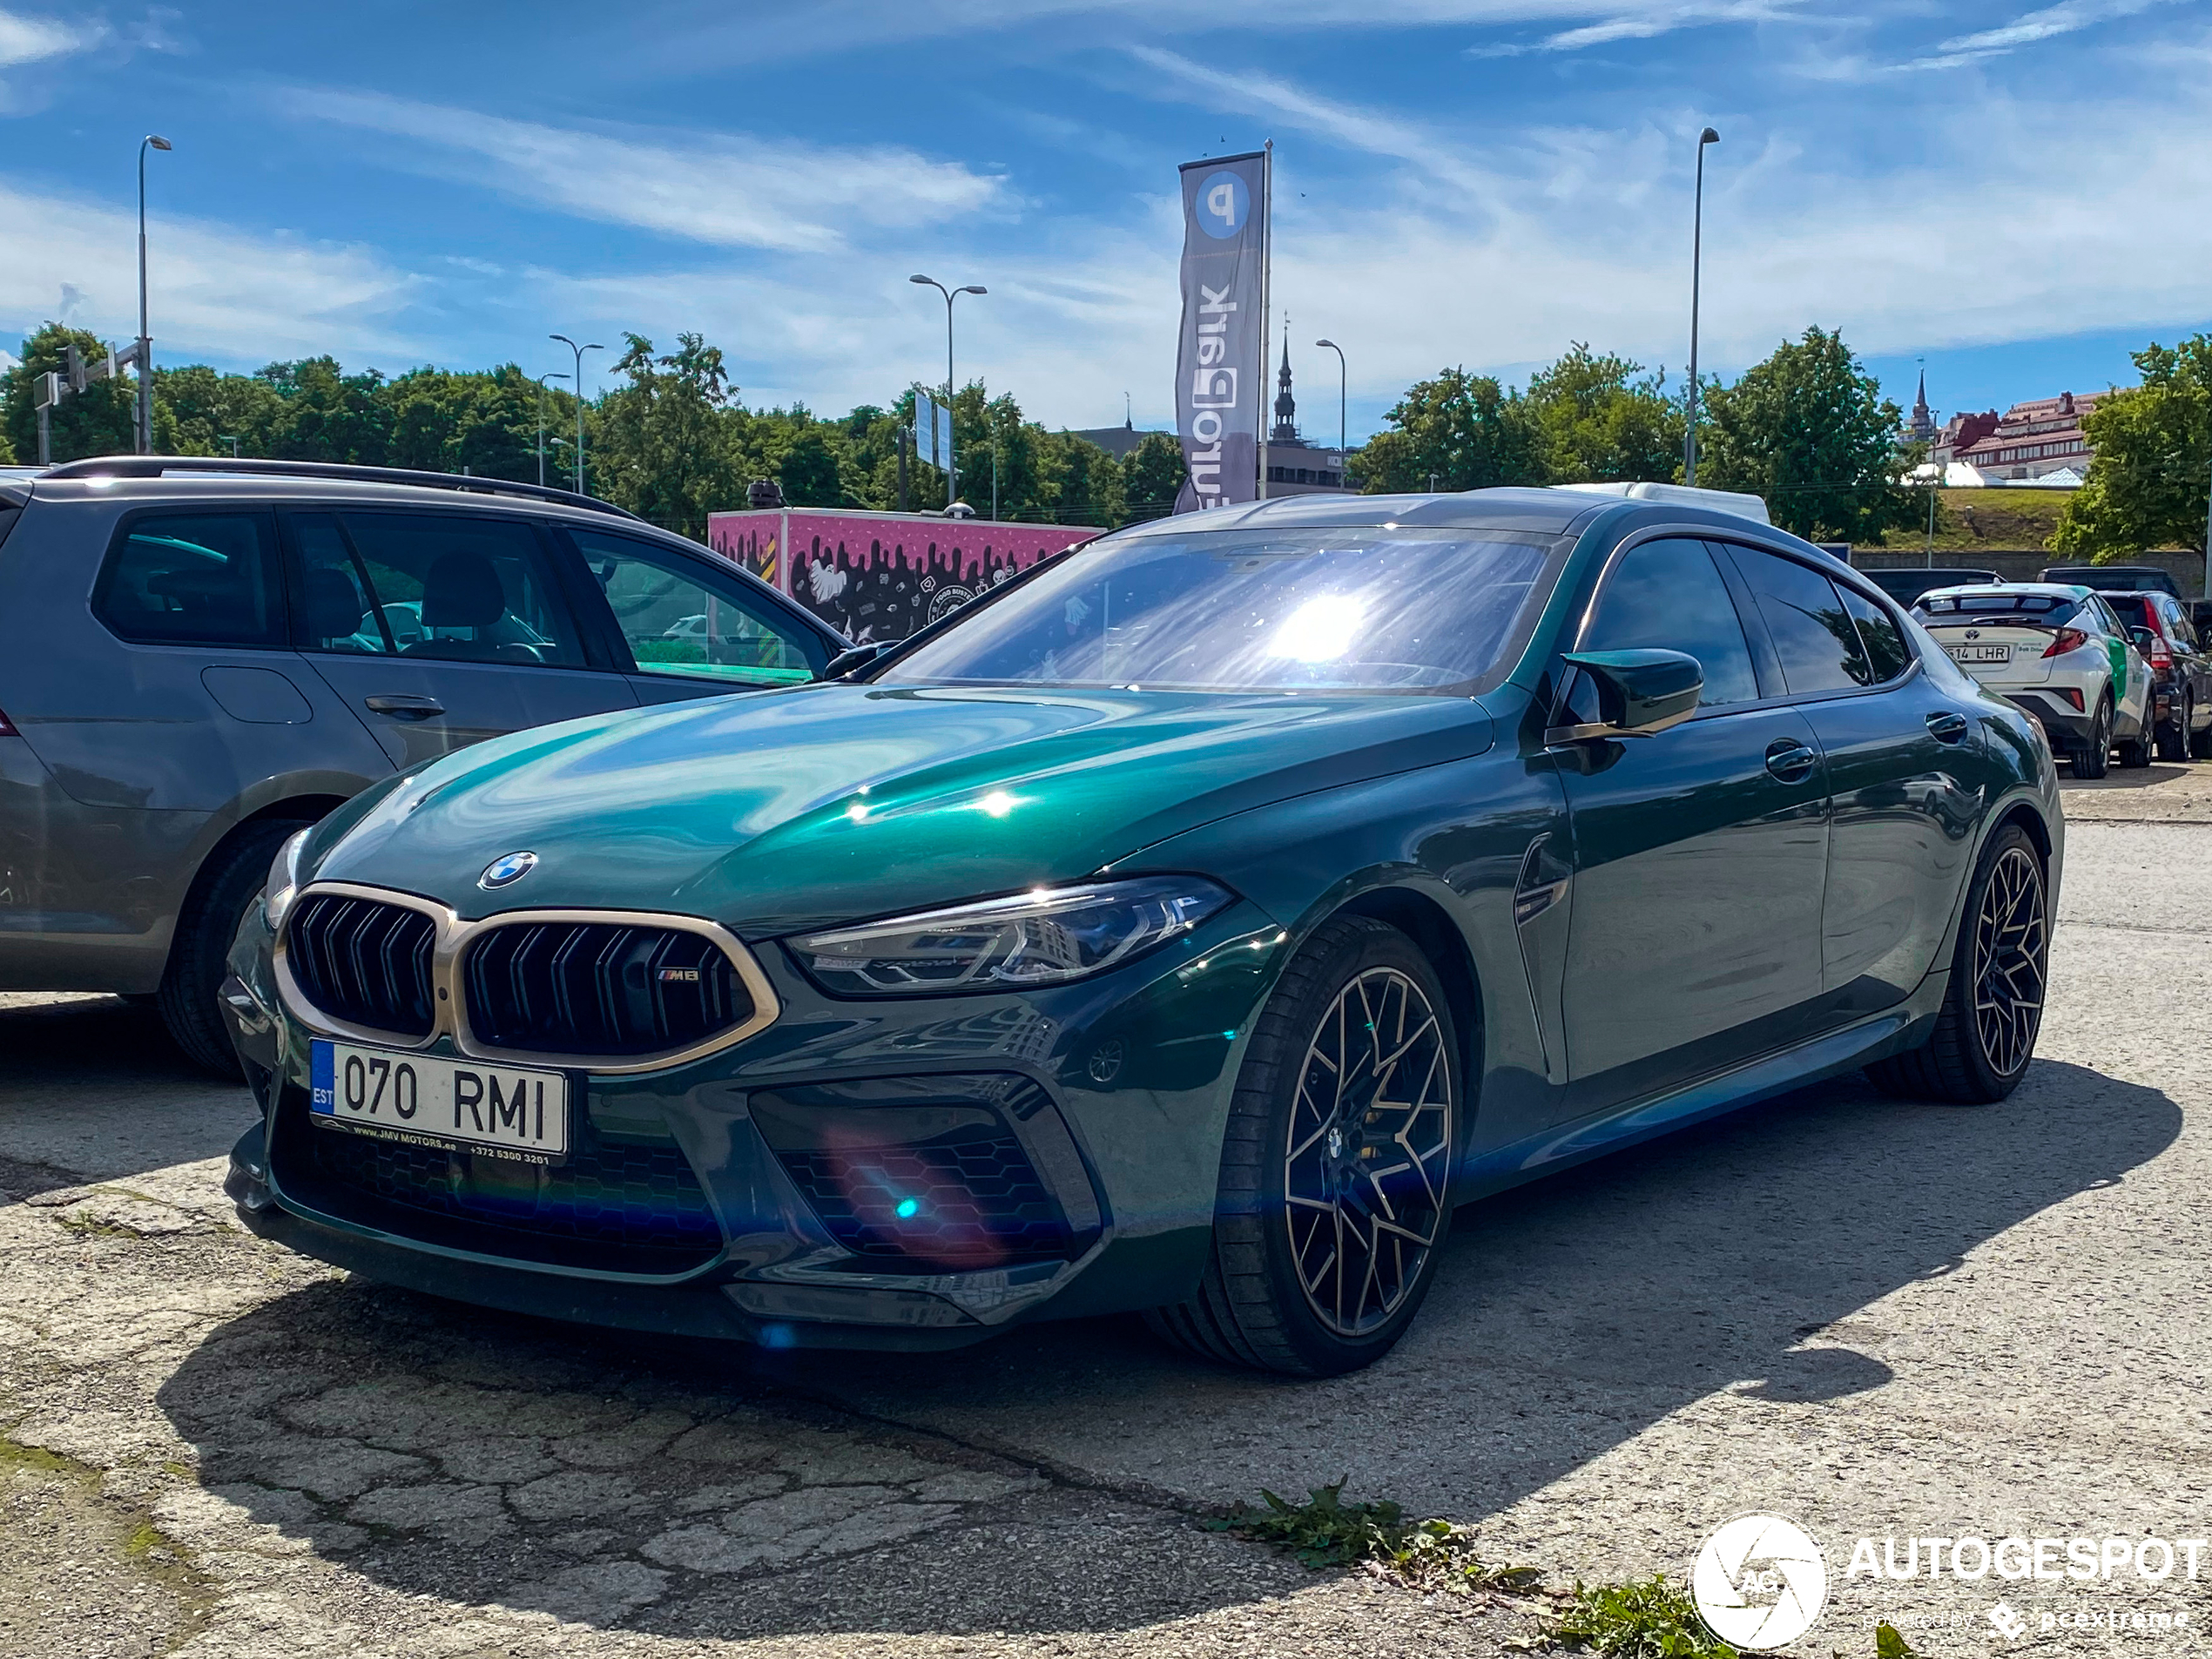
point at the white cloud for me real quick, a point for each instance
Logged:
(2062, 19)
(31, 40)
(238, 295)
(727, 191)
(1647, 24)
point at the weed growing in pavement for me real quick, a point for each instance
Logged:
(1325, 1531)
(1649, 1619)
(1889, 1643)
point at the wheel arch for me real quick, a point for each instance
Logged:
(1429, 925)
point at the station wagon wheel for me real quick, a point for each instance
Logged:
(1334, 1194)
(1984, 1034)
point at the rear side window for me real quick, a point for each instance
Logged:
(1813, 634)
(454, 586)
(193, 579)
(1882, 640)
(683, 617)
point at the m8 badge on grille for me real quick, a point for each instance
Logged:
(505, 1111)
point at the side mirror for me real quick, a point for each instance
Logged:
(849, 661)
(1639, 693)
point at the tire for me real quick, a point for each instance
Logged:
(1981, 1044)
(2091, 758)
(2176, 746)
(1271, 1298)
(226, 884)
(2201, 744)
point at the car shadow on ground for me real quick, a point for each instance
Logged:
(1568, 1317)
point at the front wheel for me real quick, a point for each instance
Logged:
(1333, 1198)
(1992, 1009)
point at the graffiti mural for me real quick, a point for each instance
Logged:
(882, 576)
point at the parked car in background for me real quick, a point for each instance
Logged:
(198, 658)
(2181, 672)
(1906, 586)
(1187, 925)
(2060, 653)
(2125, 579)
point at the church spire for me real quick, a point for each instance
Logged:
(1922, 425)
(1286, 406)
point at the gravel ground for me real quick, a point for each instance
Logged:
(1871, 1318)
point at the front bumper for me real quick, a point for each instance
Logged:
(1108, 1098)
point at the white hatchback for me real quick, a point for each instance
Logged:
(2060, 653)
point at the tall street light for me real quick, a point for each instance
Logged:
(951, 475)
(1343, 380)
(1697, 253)
(579, 351)
(145, 433)
(549, 374)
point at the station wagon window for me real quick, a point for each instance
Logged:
(683, 617)
(1813, 634)
(193, 579)
(452, 586)
(1668, 596)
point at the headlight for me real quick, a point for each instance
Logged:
(1046, 937)
(283, 885)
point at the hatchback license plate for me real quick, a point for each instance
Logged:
(1981, 653)
(507, 1111)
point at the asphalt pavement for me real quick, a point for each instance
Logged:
(1871, 1318)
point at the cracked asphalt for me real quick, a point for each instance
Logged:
(1868, 1317)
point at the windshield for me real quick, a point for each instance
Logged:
(1369, 609)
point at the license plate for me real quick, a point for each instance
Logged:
(1981, 653)
(505, 1111)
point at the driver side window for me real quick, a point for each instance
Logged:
(1668, 596)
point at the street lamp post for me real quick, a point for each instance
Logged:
(579, 351)
(145, 433)
(231, 438)
(549, 374)
(952, 473)
(1697, 256)
(1344, 380)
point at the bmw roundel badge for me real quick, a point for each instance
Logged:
(507, 869)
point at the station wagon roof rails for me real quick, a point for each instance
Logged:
(159, 466)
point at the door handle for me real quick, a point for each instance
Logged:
(1791, 760)
(1947, 727)
(403, 706)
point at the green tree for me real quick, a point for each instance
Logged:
(1465, 431)
(665, 449)
(1151, 474)
(1604, 418)
(1810, 431)
(809, 473)
(329, 414)
(2152, 458)
(97, 421)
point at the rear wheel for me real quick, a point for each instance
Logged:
(1333, 1198)
(1992, 1009)
(2175, 745)
(227, 884)
(2092, 757)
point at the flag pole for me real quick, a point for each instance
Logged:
(1266, 301)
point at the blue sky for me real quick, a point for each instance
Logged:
(2020, 193)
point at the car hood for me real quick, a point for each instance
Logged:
(787, 809)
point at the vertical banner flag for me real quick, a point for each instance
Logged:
(1219, 374)
(933, 429)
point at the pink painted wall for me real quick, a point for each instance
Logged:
(882, 576)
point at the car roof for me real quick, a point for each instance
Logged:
(1536, 510)
(193, 489)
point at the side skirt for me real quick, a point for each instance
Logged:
(1891, 1031)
